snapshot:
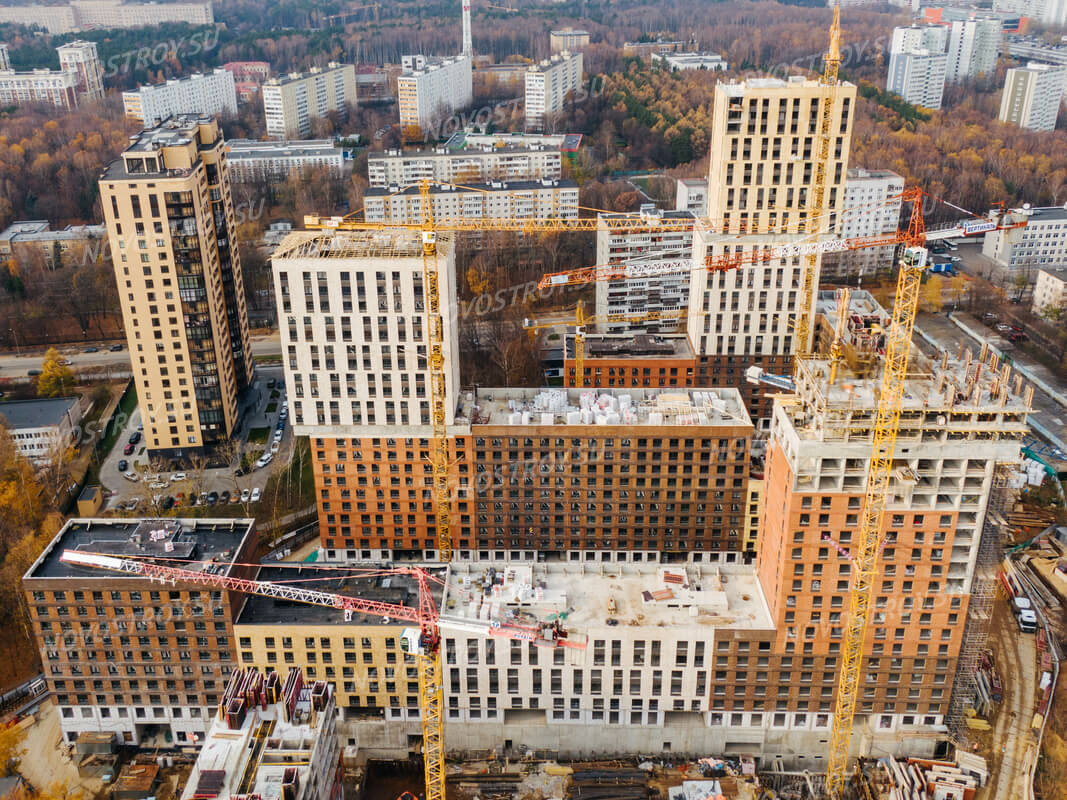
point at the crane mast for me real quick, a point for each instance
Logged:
(867, 545)
(817, 194)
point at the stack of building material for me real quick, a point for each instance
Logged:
(608, 784)
(927, 779)
(485, 787)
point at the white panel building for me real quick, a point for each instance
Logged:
(547, 85)
(1032, 96)
(207, 94)
(252, 160)
(918, 65)
(1042, 241)
(466, 164)
(873, 207)
(517, 199)
(1047, 12)
(352, 313)
(691, 194)
(432, 89)
(666, 290)
(973, 46)
(1050, 291)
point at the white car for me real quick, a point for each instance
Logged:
(159, 485)
(275, 446)
(255, 495)
(264, 459)
(178, 476)
(244, 495)
(130, 475)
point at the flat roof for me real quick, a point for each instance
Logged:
(40, 413)
(690, 596)
(335, 243)
(242, 150)
(640, 345)
(291, 77)
(213, 541)
(496, 186)
(337, 578)
(631, 407)
(23, 227)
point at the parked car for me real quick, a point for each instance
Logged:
(244, 495)
(123, 465)
(127, 450)
(131, 476)
(224, 497)
(1017, 336)
(178, 476)
(255, 495)
(989, 316)
(264, 459)
(1003, 328)
(135, 437)
(179, 499)
(159, 485)
(115, 348)
(202, 499)
(275, 446)
(239, 472)
(91, 350)
(168, 503)
(212, 498)
(272, 383)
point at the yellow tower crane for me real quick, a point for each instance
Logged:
(581, 321)
(817, 194)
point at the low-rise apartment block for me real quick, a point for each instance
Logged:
(1041, 242)
(432, 89)
(273, 737)
(683, 61)
(207, 94)
(128, 655)
(465, 164)
(292, 103)
(42, 429)
(251, 160)
(548, 84)
(86, 14)
(544, 199)
(34, 243)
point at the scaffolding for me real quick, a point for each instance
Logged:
(980, 608)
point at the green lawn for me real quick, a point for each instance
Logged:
(258, 435)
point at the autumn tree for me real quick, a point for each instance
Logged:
(931, 294)
(56, 379)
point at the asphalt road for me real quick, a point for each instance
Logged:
(14, 364)
(939, 327)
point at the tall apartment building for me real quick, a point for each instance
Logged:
(960, 420)
(918, 64)
(300, 757)
(465, 164)
(251, 160)
(82, 59)
(763, 142)
(547, 86)
(1050, 292)
(973, 47)
(170, 216)
(123, 653)
(519, 199)
(1032, 96)
(432, 89)
(291, 103)
(568, 40)
(874, 206)
(85, 14)
(1042, 241)
(1047, 12)
(657, 291)
(206, 95)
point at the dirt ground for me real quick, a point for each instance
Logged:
(45, 761)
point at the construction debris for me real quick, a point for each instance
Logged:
(927, 779)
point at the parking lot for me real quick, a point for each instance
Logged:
(141, 484)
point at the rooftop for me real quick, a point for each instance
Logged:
(247, 148)
(333, 243)
(24, 227)
(639, 345)
(266, 738)
(738, 88)
(215, 542)
(565, 141)
(495, 186)
(337, 579)
(299, 76)
(196, 76)
(618, 407)
(587, 595)
(40, 413)
(555, 61)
